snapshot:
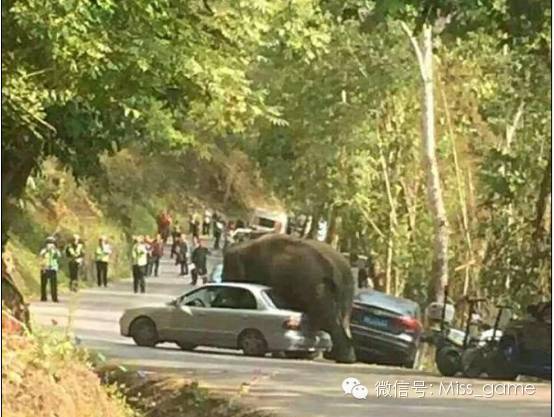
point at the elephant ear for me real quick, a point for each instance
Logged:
(331, 274)
(330, 284)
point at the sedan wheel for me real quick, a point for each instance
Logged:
(144, 333)
(186, 346)
(253, 343)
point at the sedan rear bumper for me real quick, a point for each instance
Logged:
(383, 347)
(293, 340)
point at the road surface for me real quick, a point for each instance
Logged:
(291, 388)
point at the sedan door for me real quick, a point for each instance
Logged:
(232, 310)
(190, 319)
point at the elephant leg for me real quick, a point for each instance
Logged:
(343, 348)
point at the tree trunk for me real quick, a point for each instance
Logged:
(229, 185)
(510, 134)
(332, 222)
(312, 232)
(393, 221)
(461, 199)
(424, 54)
(543, 201)
(388, 262)
(17, 166)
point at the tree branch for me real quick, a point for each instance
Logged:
(416, 47)
(511, 129)
(208, 8)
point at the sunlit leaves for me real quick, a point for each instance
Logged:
(165, 73)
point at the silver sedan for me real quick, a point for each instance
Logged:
(242, 316)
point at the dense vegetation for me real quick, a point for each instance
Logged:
(325, 99)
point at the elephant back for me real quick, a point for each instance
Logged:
(298, 269)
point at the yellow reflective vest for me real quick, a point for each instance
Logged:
(139, 254)
(103, 253)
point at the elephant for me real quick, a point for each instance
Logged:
(310, 276)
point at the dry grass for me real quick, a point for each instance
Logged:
(161, 395)
(45, 376)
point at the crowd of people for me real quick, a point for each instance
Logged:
(146, 253)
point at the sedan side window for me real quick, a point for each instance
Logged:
(200, 298)
(236, 298)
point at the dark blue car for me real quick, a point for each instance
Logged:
(386, 329)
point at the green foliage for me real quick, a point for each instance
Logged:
(82, 78)
(142, 221)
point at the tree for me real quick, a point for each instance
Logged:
(424, 54)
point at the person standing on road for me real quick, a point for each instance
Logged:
(76, 255)
(164, 225)
(228, 230)
(50, 263)
(175, 233)
(218, 230)
(102, 258)
(362, 274)
(207, 222)
(194, 226)
(199, 259)
(215, 218)
(139, 255)
(149, 259)
(182, 255)
(157, 253)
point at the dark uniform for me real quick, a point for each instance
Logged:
(182, 258)
(75, 253)
(362, 277)
(175, 234)
(199, 259)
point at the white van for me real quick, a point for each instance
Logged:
(266, 221)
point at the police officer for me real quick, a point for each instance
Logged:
(50, 263)
(102, 258)
(76, 254)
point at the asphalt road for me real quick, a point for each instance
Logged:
(295, 388)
